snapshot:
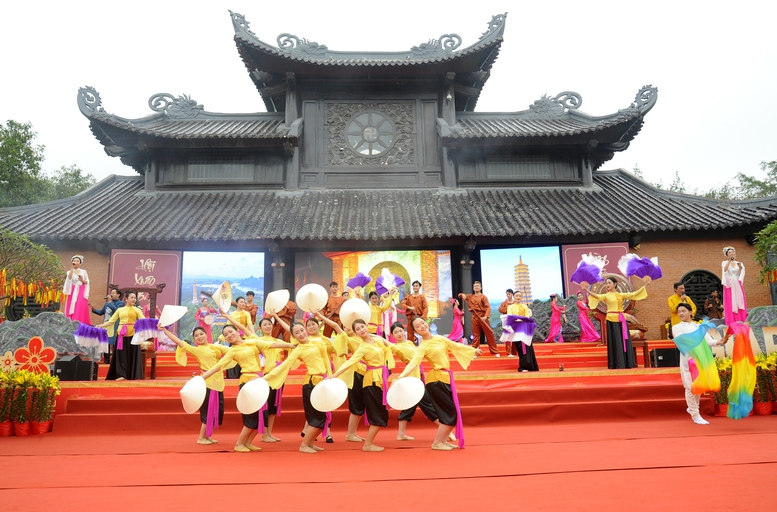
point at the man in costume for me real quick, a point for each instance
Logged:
(679, 297)
(287, 315)
(414, 305)
(480, 312)
(332, 308)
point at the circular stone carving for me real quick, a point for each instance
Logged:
(370, 133)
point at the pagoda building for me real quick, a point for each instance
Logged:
(382, 151)
(523, 281)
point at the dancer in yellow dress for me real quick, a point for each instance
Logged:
(314, 355)
(378, 360)
(620, 353)
(207, 355)
(247, 356)
(439, 381)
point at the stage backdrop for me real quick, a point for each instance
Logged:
(571, 255)
(431, 268)
(132, 268)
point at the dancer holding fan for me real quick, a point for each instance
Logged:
(521, 327)
(207, 355)
(126, 362)
(620, 353)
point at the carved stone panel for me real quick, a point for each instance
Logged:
(370, 134)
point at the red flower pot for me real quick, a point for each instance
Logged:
(762, 408)
(774, 407)
(721, 410)
(42, 427)
(6, 428)
(22, 429)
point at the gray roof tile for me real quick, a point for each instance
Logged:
(353, 215)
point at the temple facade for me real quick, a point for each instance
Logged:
(383, 151)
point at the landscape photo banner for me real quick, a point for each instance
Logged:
(131, 269)
(572, 254)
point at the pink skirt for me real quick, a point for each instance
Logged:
(81, 311)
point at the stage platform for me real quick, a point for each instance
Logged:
(492, 393)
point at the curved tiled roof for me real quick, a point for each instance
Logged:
(403, 214)
(294, 49)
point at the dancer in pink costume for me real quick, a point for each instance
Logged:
(587, 330)
(457, 328)
(734, 300)
(554, 333)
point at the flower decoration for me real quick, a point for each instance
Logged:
(7, 362)
(35, 357)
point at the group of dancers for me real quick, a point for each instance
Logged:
(355, 353)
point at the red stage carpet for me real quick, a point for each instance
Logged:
(635, 465)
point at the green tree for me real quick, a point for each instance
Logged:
(67, 182)
(751, 187)
(21, 179)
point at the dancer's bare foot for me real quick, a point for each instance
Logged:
(452, 438)
(454, 446)
(372, 448)
(253, 448)
(354, 438)
(307, 449)
(269, 439)
(204, 440)
(277, 439)
(317, 448)
(242, 449)
(443, 447)
(405, 437)
(211, 440)
(121, 378)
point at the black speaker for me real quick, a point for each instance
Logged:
(664, 357)
(73, 368)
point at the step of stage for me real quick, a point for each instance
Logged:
(498, 400)
(573, 355)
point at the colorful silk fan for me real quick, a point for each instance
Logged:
(387, 281)
(589, 270)
(632, 265)
(523, 328)
(740, 391)
(692, 344)
(358, 280)
(88, 336)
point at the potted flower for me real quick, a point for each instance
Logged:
(20, 408)
(43, 402)
(762, 396)
(721, 397)
(6, 399)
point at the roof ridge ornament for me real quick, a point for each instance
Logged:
(240, 23)
(89, 102)
(550, 108)
(644, 101)
(182, 107)
(293, 44)
(497, 21)
(446, 44)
